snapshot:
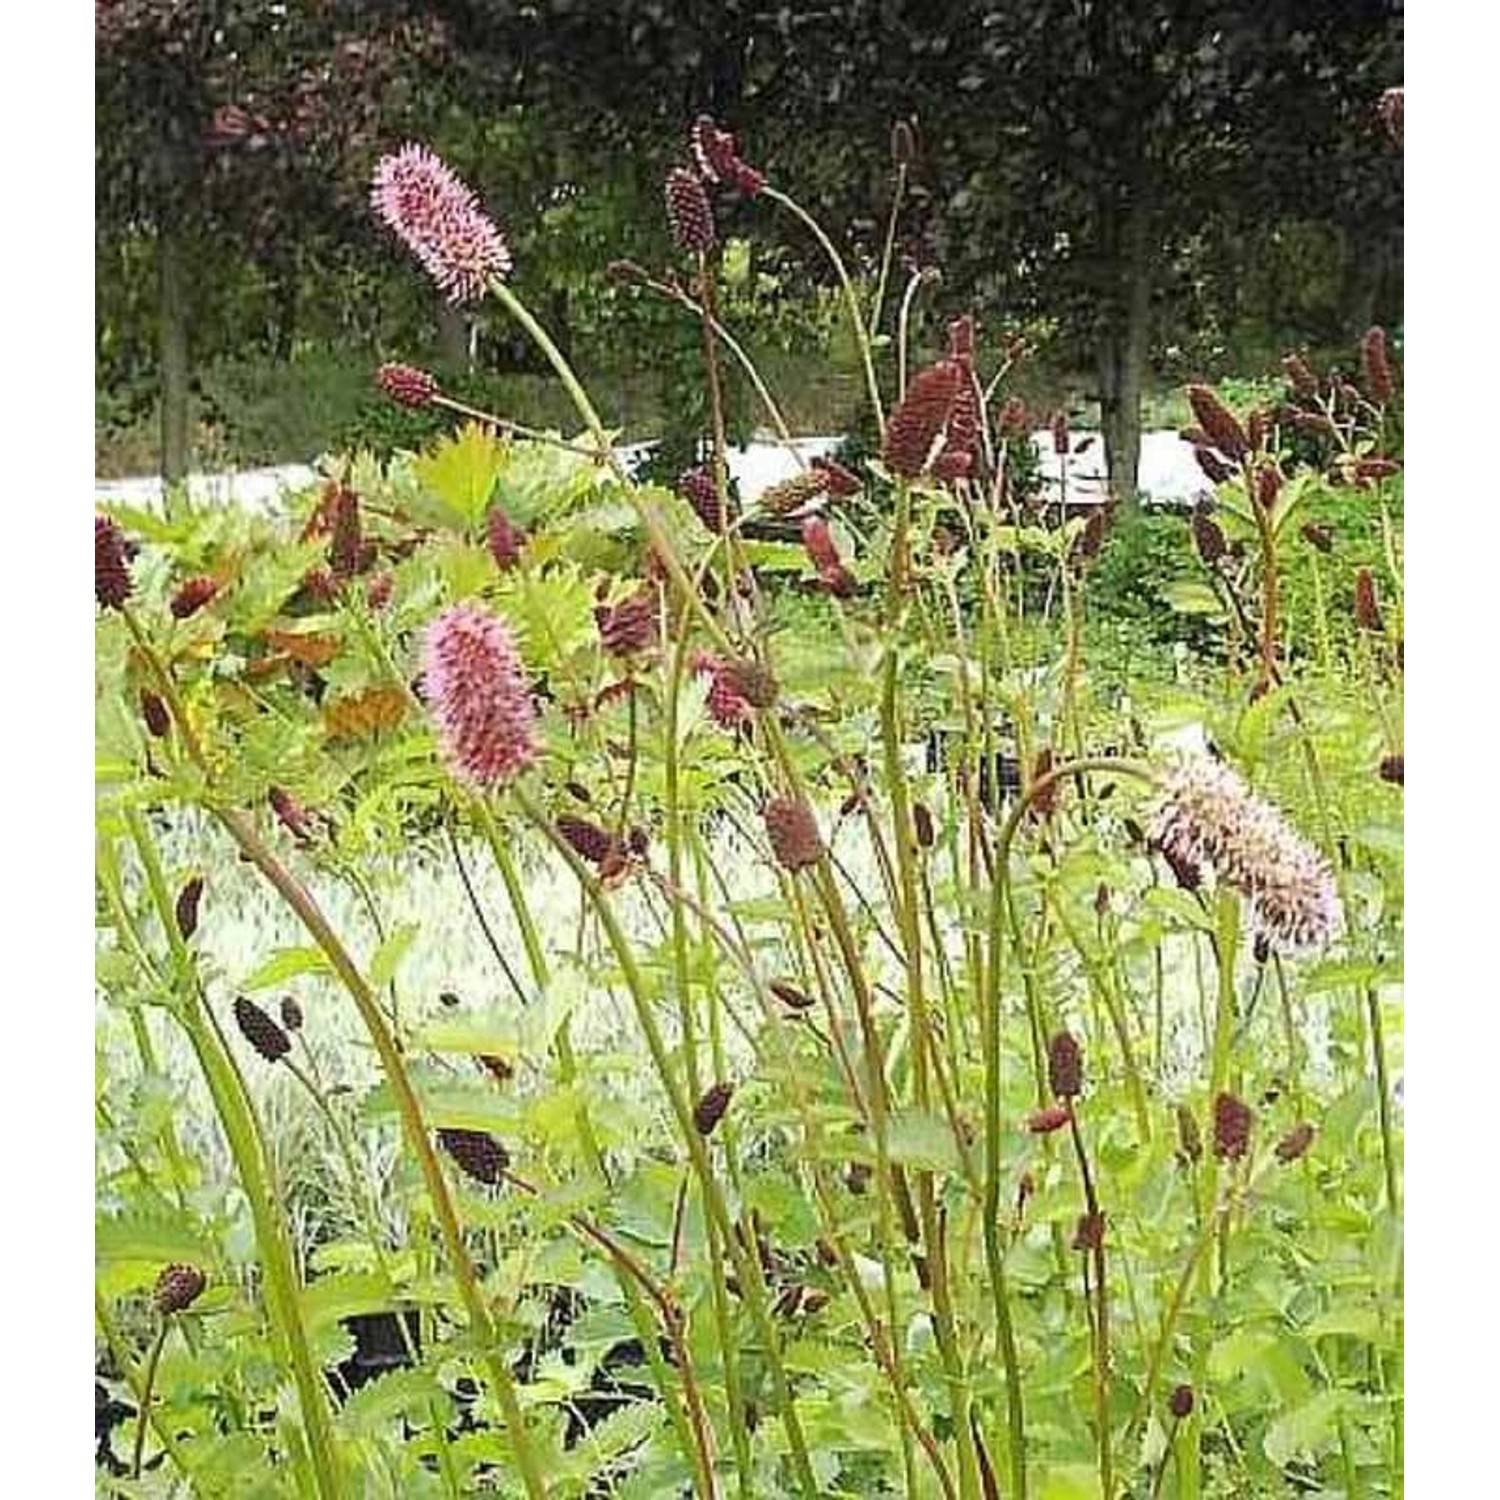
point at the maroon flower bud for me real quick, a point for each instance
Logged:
(1045, 1121)
(857, 1178)
(1295, 1142)
(1257, 426)
(1187, 875)
(1065, 1066)
(154, 712)
(186, 909)
(1095, 529)
(709, 1110)
(794, 492)
(111, 568)
(718, 158)
(915, 426)
(793, 832)
(790, 995)
(1208, 537)
(1189, 1137)
(478, 1154)
(1101, 900)
(290, 814)
(1375, 362)
(750, 680)
(837, 480)
(1302, 379)
(177, 1288)
(1221, 424)
(1061, 439)
(261, 1030)
(406, 384)
(1232, 1119)
(1368, 470)
(587, 840)
(1261, 949)
(378, 590)
(1318, 536)
(1366, 606)
(1044, 802)
(631, 625)
(1180, 1403)
(291, 1013)
(346, 542)
(1025, 1187)
(1392, 109)
(504, 538)
(1010, 420)
(1267, 487)
(1393, 769)
(192, 596)
(818, 540)
(689, 213)
(1216, 470)
(961, 339)
(1089, 1234)
(699, 489)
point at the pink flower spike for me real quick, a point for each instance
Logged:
(439, 219)
(475, 684)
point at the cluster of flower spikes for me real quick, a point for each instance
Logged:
(1208, 818)
(716, 163)
(935, 428)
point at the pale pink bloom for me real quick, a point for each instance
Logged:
(1209, 819)
(439, 218)
(475, 685)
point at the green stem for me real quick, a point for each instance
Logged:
(147, 1385)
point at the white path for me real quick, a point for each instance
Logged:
(1168, 473)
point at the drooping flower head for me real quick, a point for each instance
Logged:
(111, 568)
(474, 682)
(1208, 818)
(718, 158)
(439, 219)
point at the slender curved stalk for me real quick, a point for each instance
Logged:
(851, 301)
(888, 251)
(148, 1382)
(122, 1359)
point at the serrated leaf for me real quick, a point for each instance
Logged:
(460, 472)
(626, 1427)
(1306, 1429)
(1190, 597)
(401, 1394)
(330, 1299)
(916, 1139)
(284, 964)
(149, 1237)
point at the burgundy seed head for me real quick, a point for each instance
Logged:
(262, 1031)
(961, 339)
(504, 538)
(1181, 1402)
(1065, 1066)
(1368, 470)
(1221, 424)
(709, 1110)
(1295, 1142)
(1062, 441)
(1090, 1232)
(177, 1288)
(111, 567)
(837, 480)
(690, 216)
(1045, 1121)
(1366, 606)
(186, 910)
(406, 385)
(790, 995)
(718, 159)
(698, 488)
(922, 418)
(587, 840)
(1011, 420)
(1232, 1120)
(478, 1154)
(793, 832)
(1302, 379)
(1214, 467)
(630, 626)
(192, 596)
(1376, 365)
(727, 706)
(751, 680)
(1393, 769)
(1208, 537)
(1257, 426)
(291, 1013)
(346, 543)
(154, 712)
(794, 492)
(1319, 536)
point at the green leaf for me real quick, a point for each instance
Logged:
(1306, 1429)
(460, 472)
(1190, 597)
(141, 1236)
(389, 954)
(624, 1428)
(1070, 1482)
(284, 964)
(402, 1394)
(330, 1299)
(917, 1139)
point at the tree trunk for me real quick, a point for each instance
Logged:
(1124, 343)
(172, 351)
